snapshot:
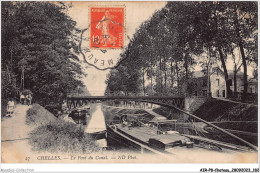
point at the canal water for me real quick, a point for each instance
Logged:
(102, 115)
(96, 123)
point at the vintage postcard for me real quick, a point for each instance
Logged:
(129, 82)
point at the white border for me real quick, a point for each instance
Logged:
(123, 167)
(127, 167)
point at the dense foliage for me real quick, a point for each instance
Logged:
(56, 135)
(165, 47)
(38, 42)
(37, 115)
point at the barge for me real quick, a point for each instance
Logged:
(136, 132)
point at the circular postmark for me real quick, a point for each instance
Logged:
(102, 42)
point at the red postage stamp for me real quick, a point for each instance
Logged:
(107, 27)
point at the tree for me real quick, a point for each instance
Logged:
(38, 37)
(220, 24)
(255, 74)
(237, 66)
(210, 28)
(245, 24)
(165, 44)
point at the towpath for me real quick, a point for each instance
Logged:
(14, 127)
(15, 135)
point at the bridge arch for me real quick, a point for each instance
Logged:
(175, 101)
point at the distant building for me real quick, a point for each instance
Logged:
(198, 84)
(253, 85)
(218, 83)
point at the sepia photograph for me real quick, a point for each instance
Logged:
(130, 82)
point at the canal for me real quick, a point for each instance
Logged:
(96, 123)
(101, 114)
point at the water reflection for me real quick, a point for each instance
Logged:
(97, 124)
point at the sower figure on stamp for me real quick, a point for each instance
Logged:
(104, 26)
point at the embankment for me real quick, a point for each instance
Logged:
(38, 115)
(220, 110)
(217, 110)
(56, 135)
(238, 118)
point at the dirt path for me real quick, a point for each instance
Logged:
(14, 127)
(14, 136)
(15, 146)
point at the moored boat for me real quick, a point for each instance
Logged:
(138, 132)
(98, 135)
(79, 115)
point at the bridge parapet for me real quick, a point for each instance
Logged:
(76, 101)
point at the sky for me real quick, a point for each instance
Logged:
(136, 13)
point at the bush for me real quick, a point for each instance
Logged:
(53, 108)
(37, 115)
(56, 135)
(62, 136)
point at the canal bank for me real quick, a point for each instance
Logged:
(186, 125)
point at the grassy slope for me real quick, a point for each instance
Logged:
(56, 135)
(38, 115)
(226, 113)
(218, 110)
